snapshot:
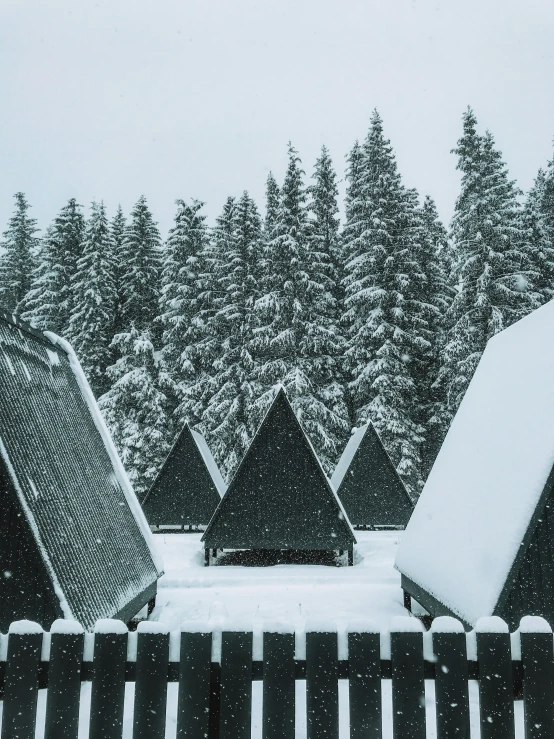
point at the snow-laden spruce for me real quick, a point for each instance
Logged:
(117, 231)
(20, 245)
(182, 307)
(91, 326)
(491, 269)
(298, 341)
(137, 407)
(539, 239)
(49, 301)
(383, 308)
(231, 385)
(141, 256)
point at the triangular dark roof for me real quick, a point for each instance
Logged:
(189, 485)
(61, 476)
(479, 541)
(368, 484)
(280, 497)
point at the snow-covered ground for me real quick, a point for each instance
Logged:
(291, 593)
(249, 595)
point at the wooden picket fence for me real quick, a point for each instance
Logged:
(215, 672)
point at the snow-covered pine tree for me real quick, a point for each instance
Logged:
(182, 312)
(382, 277)
(491, 271)
(297, 341)
(324, 221)
(434, 258)
(17, 262)
(547, 198)
(539, 239)
(272, 200)
(141, 259)
(48, 304)
(91, 324)
(137, 408)
(117, 230)
(227, 420)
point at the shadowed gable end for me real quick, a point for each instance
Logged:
(185, 491)
(368, 484)
(280, 497)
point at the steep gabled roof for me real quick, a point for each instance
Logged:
(368, 484)
(468, 536)
(189, 485)
(74, 495)
(280, 497)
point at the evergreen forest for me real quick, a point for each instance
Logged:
(382, 317)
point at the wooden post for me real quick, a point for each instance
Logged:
(64, 680)
(408, 684)
(451, 676)
(108, 682)
(236, 685)
(364, 680)
(193, 703)
(278, 686)
(322, 684)
(150, 607)
(496, 703)
(351, 556)
(206, 557)
(21, 684)
(407, 600)
(151, 681)
(538, 677)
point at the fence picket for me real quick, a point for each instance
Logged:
(151, 681)
(364, 675)
(496, 703)
(408, 683)
(21, 682)
(451, 686)
(214, 699)
(108, 681)
(64, 683)
(278, 686)
(538, 677)
(193, 703)
(322, 685)
(235, 713)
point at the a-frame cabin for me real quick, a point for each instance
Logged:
(368, 485)
(280, 498)
(481, 538)
(74, 542)
(188, 487)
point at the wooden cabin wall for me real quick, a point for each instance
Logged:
(26, 591)
(532, 592)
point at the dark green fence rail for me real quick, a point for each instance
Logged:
(215, 682)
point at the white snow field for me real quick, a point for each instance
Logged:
(248, 596)
(292, 593)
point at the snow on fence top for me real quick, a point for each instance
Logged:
(490, 474)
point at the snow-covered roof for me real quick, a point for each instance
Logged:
(279, 496)
(209, 461)
(348, 455)
(72, 489)
(368, 484)
(490, 474)
(189, 485)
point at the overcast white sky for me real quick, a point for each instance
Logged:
(198, 98)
